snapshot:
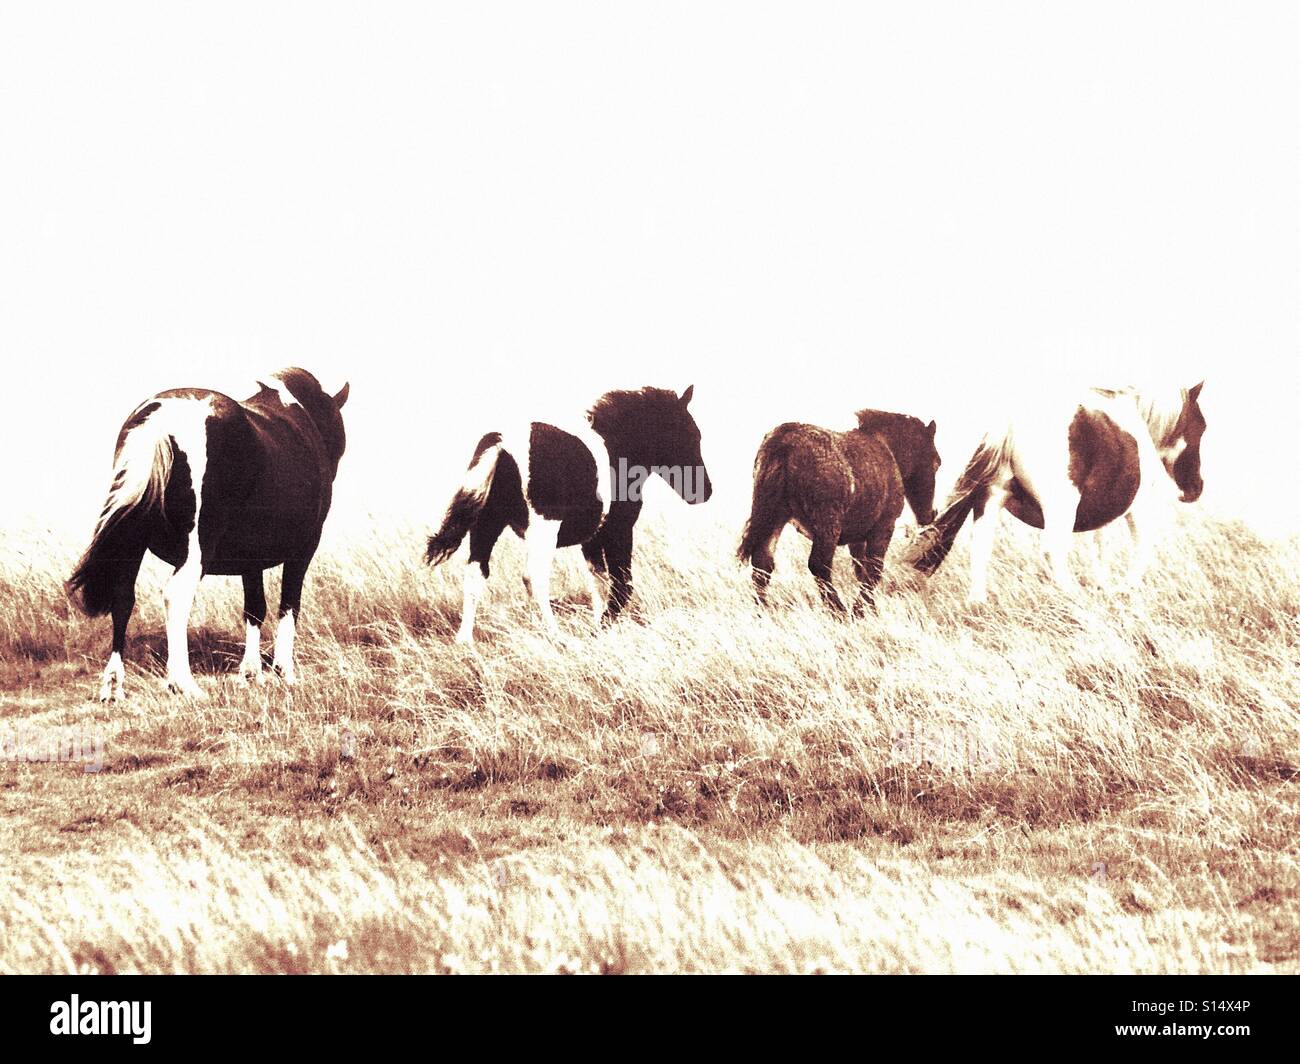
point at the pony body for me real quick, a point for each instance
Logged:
(211, 485)
(839, 488)
(1112, 453)
(572, 486)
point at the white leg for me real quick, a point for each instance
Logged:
(178, 595)
(179, 598)
(1058, 538)
(250, 668)
(1137, 563)
(110, 688)
(1059, 499)
(539, 544)
(983, 533)
(284, 635)
(1146, 529)
(475, 584)
(596, 582)
(1099, 557)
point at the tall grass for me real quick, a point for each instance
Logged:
(1106, 782)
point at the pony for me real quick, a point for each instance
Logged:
(211, 485)
(839, 488)
(576, 486)
(1099, 457)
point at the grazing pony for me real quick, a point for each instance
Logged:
(839, 488)
(559, 488)
(214, 486)
(1100, 459)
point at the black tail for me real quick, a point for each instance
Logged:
(467, 503)
(766, 511)
(935, 542)
(136, 498)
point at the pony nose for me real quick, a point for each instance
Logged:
(1194, 492)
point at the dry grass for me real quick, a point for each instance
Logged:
(1106, 784)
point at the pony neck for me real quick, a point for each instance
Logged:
(615, 422)
(889, 427)
(1161, 419)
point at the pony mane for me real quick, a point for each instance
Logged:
(298, 380)
(1162, 411)
(647, 399)
(870, 420)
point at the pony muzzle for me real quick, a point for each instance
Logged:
(705, 491)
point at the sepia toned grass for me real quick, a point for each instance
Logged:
(1100, 783)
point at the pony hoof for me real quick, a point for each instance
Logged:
(189, 690)
(251, 678)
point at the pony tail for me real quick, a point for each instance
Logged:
(467, 503)
(140, 477)
(764, 511)
(935, 543)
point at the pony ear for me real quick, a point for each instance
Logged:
(1194, 392)
(342, 396)
(686, 395)
(931, 428)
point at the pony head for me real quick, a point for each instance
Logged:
(1180, 450)
(681, 462)
(655, 427)
(323, 408)
(912, 442)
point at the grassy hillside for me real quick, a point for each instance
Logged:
(1040, 784)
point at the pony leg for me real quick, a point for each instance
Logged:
(178, 595)
(764, 564)
(1058, 539)
(820, 562)
(983, 532)
(869, 566)
(618, 553)
(1146, 528)
(113, 682)
(539, 545)
(1098, 557)
(286, 630)
(482, 539)
(475, 584)
(594, 553)
(178, 598)
(250, 668)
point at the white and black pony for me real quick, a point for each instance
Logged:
(211, 485)
(578, 485)
(1076, 468)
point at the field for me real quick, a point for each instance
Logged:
(1042, 784)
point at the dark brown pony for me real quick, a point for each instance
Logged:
(214, 486)
(839, 488)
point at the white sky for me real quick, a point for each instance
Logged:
(470, 210)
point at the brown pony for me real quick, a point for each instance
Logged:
(1074, 465)
(839, 488)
